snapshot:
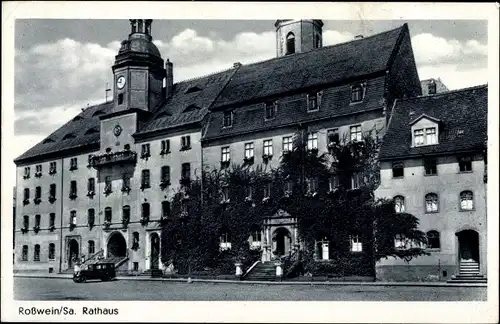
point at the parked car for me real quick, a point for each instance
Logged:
(102, 271)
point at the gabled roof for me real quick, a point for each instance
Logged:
(424, 116)
(313, 68)
(463, 114)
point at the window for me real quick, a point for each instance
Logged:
(120, 98)
(356, 180)
(38, 170)
(312, 141)
(36, 255)
(91, 246)
(398, 170)
(72, 190)
(38, 194)
(356, 243)
(52, 191)
(108, 214)
(145, 211)
(225, 154)
(125, 182)
(165, 209)
(431, 203)
(25, 253)
(145, 183)
(38, 219)
(185, 142)
(268, 148)
(186, 171)
(165, 174)
(355, 132)
(107, 185)
(431, 88)
(312, 185)
(73, 164)
(430, 134)
(135, 241)
(267, 190)
(52, 220)
(145, 151)
(465, 163)
(91, 186)
(52, 251)
(52, 167)
(466, 200)
(90, 160)
(288, 188)
(228, 119)
(430, 166)
(314, 101)
(126, 214)
(332, 136)
(165, 147)
(26, 222)
(357, 93)
(270, 110)
(26, 172)
(290, 43)
(418, 134)
(72, 218)
(433, 240)
(399, 204)
(287, 144)
(225, 241)
(26, 195)
(333, 182)
(91, 217)
(317, 41)
(256, 235)
(249, 150)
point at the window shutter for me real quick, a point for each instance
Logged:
(320, 96)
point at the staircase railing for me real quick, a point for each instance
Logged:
(251, 268)
(94, 257)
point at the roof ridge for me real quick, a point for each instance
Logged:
(444, 93)
(204, 76)
(324, 47)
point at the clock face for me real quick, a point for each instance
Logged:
(118, 130)
(120, 82)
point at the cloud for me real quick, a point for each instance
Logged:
(332, 37)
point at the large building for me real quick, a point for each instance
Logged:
(100, 185)
(433, 164)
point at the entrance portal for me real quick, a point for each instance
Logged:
(74, 252)
(117, 247)
(283, 241)
(468, 242)
(155, 251)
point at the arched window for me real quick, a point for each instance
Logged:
(165, 209)
(26, 221)
(36, 255)
(52, 251)
(126, 213)
(466, 200)
(431, 203)
(91, 245)
(399, 204)
(290, 43)
(25, 253)
(433, 240)
(107, 214)
(135, 241)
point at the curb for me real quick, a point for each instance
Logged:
(310, 283)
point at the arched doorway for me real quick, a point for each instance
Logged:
(155, 250)
(468, 251)
(74, 252)
(283, 240)
(117, 247)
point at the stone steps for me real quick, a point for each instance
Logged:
(262, 272)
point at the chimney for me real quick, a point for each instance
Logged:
(169, 78)
(358, 37)
(236, 65)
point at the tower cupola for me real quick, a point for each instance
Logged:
(296, 36)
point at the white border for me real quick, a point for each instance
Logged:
(456, 312)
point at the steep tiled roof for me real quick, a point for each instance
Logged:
(313, 68)
(189, 102)
(463, 123)
(79, 132)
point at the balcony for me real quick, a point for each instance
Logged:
(120, 157)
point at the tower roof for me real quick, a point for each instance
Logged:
(140, 39)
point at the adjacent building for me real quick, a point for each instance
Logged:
(433, 164)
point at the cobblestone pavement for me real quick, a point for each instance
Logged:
(64, 289)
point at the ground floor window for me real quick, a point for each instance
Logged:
(356, 243)
(225, 241)
(52, 251)
(323, 249)
(25, 253)
(91, 247)
(433, 240)
(36, 255)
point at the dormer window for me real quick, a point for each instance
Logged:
(228, 119)
(357, 92)
(430, 134)
(427, 136)
(314, 101)
(270, 110)
(419, 137)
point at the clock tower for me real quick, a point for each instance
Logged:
(138, 70)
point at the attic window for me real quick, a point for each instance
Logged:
(97, 113)
(68, 136)
(92, 131)
(48, 140)
(77, 118)
(357, 92)
(191, 108)
(193, 89)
